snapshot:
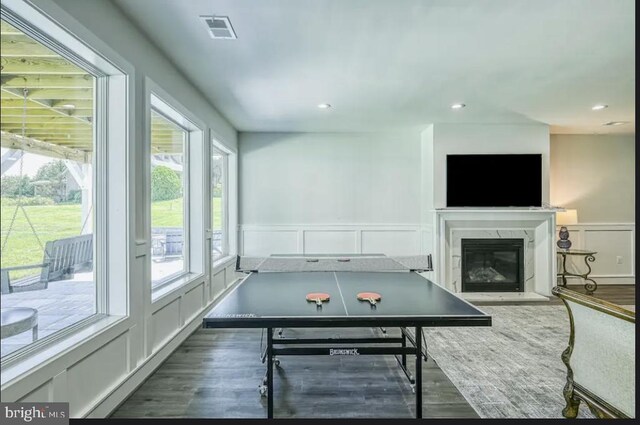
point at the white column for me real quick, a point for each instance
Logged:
(87, 199)
(82, 174)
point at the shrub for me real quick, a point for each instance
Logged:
(11, 186)
(51, 179)
(74, 197)
(165, 184)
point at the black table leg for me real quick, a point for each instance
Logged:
(403, 344)
(564, 270)
(418, 376)
(269, 373)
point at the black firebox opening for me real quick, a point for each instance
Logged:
(492, 265)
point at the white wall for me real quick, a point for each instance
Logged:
(595, 174)
(483, 139)
(317, 192)
(97, 368)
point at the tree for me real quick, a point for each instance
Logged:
(216, 179)
(165, 184)
(14, 186)
(51, 180)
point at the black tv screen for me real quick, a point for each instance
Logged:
(494, 180)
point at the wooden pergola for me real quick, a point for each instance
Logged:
(59, 103)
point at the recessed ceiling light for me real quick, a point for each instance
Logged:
(599, 107)
(324, 106)
(458, 106)
(68, 106)
(616, 123)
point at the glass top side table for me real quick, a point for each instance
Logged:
(590, 285)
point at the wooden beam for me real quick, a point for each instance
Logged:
(48, 81)
(12, 141)
(73, 131)
(61, 126)
(43, 111)
(42, 66)
(21, 45)
(46, 104)
(61, 94)
(8, 29)
(19, 104)
(44, 120)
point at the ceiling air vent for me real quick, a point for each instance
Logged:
(219, 27)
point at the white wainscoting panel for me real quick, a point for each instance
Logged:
(330, 241)
(41, 393)
(192, 303)
(164, 323)
(389, 239)
(390, 242)
(264, 242)
(217, 284)
(230, 275)
(615, 246)
(104, 368)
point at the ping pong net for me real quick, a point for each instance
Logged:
(334, 263)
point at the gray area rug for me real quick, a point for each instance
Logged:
(513, 369)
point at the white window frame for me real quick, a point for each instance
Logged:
(111, 150)
(219, 147)
(186, 186)
(193, 210)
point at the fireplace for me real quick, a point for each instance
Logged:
(492, 265)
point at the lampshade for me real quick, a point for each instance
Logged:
(567, 217)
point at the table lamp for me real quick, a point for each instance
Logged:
(564, 218)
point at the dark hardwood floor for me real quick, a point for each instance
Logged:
(216, 373)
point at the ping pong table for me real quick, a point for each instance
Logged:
(273, 296)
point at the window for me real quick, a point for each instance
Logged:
(48, 233)
(219, 226)
(169, 198)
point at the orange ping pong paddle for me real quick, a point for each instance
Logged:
(318, 297)
(372, 297)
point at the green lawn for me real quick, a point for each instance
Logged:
(61, 221)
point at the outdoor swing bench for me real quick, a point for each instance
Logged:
(62, 258)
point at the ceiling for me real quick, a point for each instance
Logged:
(387, 65)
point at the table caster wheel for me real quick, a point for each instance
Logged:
(276, 362)
(262, 389)
(413, 389)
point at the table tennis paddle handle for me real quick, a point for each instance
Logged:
(372, 301)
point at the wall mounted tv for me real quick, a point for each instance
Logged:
(494, 180)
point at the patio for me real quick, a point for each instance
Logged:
(64, 303)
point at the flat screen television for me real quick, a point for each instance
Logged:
(494, 180)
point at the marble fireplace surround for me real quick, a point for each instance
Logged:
(536, 226)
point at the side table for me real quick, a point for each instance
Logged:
(15, 320)
(590, 285)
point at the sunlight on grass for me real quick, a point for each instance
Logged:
(53, 222)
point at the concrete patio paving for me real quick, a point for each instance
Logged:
(64, 303)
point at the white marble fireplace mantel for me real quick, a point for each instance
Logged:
(535, 225)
